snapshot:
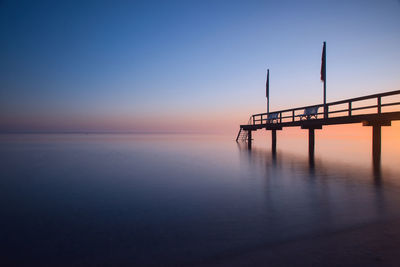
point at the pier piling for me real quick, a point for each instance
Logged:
(376, 143)
(249, 139)
(273, 134)
(376, 138)
(311, 142)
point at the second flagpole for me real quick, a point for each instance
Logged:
(267, 91)
(323, 78)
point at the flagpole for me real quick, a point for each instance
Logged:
(325, 107)
(267, 94)
(324, 79)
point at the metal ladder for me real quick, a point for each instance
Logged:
(243, 135)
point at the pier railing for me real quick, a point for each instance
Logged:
(345, 108)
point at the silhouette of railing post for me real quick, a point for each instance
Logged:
(326, 111)
(349, 108)
(379, 105)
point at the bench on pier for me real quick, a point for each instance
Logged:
(272, 117)
(309, 113)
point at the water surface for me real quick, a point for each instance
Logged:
(176, 199)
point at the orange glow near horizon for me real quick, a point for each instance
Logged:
(341, 143)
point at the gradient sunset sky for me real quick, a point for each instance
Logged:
(192, 66)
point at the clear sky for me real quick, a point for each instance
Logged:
(186, 65)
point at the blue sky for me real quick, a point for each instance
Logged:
(185, 65)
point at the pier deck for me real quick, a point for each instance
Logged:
(375, 110)
(383, 118)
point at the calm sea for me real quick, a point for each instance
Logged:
(134, 200)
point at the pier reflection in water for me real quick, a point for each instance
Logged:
(332, 193)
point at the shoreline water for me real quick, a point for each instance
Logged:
(372, 244)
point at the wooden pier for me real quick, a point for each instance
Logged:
(380, 110)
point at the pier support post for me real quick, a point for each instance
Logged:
(311, 142)
(273, 134)
(249, 139)
(376, 140)
(273, 129)
(376, 144)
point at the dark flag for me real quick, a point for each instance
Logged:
(323, 64)
(267, 85)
